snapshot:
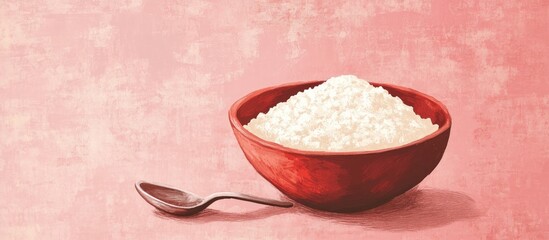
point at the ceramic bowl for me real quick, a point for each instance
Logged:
(341, 181)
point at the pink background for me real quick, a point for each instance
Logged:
(95, 95)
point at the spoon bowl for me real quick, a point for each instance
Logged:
(183, 203)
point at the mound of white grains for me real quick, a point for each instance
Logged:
(344, 113)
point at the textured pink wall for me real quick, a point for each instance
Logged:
(95, 95)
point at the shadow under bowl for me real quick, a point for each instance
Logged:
(341, 181)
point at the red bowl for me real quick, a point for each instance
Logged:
(341, 181)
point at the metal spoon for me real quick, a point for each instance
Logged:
(178, 202)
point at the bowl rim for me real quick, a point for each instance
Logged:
(235, 122)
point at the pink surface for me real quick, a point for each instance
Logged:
(95, 95)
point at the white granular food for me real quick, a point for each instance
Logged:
(344, 113)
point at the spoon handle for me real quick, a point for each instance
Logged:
(249, 198)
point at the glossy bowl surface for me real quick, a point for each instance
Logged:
(341, 181)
